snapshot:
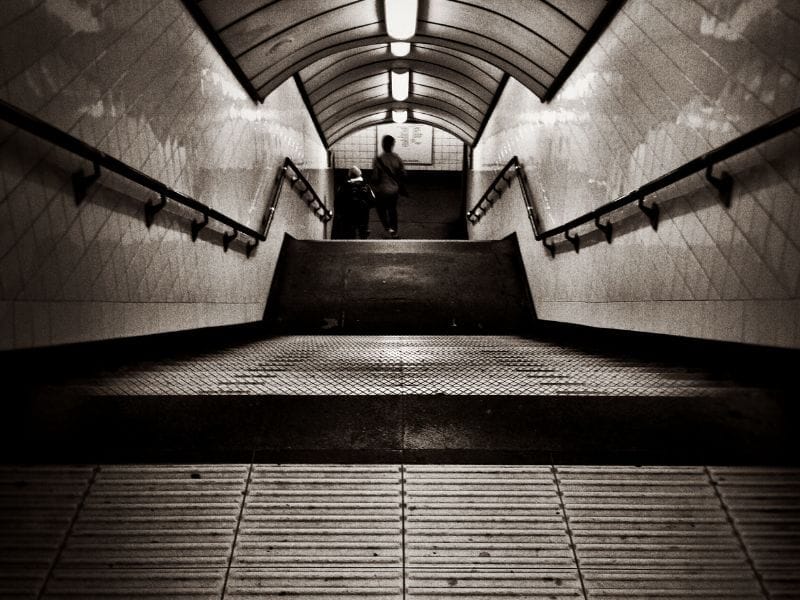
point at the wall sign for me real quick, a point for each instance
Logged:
(414, 142)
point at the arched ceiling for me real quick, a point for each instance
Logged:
(462, 53)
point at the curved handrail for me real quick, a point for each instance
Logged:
(722, 182)
(34, 125)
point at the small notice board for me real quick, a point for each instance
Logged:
(414, 143)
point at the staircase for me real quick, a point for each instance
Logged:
(400, 286)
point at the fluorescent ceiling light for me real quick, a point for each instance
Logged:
(401, 18)
(399, 115)
(400, 48)
(400, 85)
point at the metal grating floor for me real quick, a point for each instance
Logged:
(392, 531)
(402, 365)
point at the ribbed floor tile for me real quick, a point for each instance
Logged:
(764, 504)
(669, 584)
(328, 531)
(158, 517)
(782, 584)
(492, 583)
(37, 505)
(315, 584)
(481, 516)
(486, 532)
(659, 518)
(199, 584)
(313, 516)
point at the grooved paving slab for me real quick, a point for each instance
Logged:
(653, 531)
(319, 531)
(193, 583)
(486, 531)
(346, 516)
(624, 516)
(436, 531)
(37, 506)
(315, 584)
(150, 516)
(764, 504)
(668, 584)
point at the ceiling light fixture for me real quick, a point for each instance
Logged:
(400, 49)
(401, 18)
(399, 115)
(400, 81)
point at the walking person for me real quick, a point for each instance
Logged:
(388, 182)
(351, 206)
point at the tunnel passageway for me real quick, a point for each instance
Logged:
(572, 376)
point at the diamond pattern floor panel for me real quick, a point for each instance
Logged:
(397, 365)
(391, 531)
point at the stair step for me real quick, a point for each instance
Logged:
(400, 286)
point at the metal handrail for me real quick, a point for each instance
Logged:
(313, 201)
(722, 182)
(486, 200)
(101, 160)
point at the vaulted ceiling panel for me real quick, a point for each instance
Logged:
(462, 52)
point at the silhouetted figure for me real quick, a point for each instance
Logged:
(351, 207)
(388, 181)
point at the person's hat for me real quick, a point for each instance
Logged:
(354, 172)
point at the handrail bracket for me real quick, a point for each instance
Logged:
(723, 183)
(227, 238)
(551, 247)
(197, 226)
(251, 246)
(607, 228)
(575, 240)
(81, 183)
(652, 212)
(151, 210)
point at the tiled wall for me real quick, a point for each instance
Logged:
(139, 80)
(667, 81)
(359, 149)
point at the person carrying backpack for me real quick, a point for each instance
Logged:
(352, 203)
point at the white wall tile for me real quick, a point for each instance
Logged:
(359, 148)
(666, 81)
(140, 81)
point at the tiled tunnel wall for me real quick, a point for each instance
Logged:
(360, 147)
(139, 80)
(666, 82)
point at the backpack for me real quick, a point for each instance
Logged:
(362, 194)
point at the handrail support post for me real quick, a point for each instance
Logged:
(81, 183)
(151, 209)
(723, 183)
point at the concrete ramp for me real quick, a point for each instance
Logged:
(400, 286)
